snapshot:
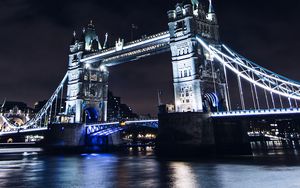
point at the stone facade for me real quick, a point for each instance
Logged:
(199, 83)
(87, 82)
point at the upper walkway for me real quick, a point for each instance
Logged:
(131, 51)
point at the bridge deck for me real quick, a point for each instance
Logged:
(256, 112)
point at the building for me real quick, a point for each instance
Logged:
(116, 110)
(199, 83)
(17, 113)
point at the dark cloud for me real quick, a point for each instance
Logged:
(35, 36)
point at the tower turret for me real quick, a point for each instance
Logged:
(211, 15)
(91, 39)
(197, 79)
(87, 83)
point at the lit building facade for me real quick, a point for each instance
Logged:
(87, 82)
(199, 83)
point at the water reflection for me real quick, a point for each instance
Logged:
(143, 169)
(183, 176)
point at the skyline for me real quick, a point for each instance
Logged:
(267, 35)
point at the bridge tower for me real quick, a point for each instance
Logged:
(87, 82)
(199, 82)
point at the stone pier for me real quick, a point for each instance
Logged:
(197, 133)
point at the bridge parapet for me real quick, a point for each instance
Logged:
(256, 112)
(103, 127)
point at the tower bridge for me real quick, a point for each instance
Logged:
(201, 66)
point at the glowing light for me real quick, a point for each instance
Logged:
(236, 71)
(87, 65)
(103, 68)
(256, 112)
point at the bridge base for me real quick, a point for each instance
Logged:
(65, 135)
(72, 138)
(197, 134)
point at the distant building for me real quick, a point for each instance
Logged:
(16, 112)
(116, 110)
(166, 108)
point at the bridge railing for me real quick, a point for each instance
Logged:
(257, 112)
(97, 127)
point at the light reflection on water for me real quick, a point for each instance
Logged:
(143, 169)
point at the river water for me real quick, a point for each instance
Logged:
(142, 168)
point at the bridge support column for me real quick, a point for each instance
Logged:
(185, 134)
(231, 136)
(87, 82)
(199, 82)
(195, 133)
(66, 137)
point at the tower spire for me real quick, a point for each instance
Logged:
(195, 3)
(211, 8)
(211, 15)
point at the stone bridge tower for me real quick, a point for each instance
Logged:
(87, 82)
(199, 83)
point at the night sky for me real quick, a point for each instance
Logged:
(35, 36)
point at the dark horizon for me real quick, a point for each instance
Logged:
(36, 35)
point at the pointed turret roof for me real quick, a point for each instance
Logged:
(211, 8)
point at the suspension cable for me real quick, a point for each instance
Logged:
(257, 100)
(263, 75)
(228, 102)
(280, 99)
(296, 103)
(252, 94)
(273, 102)
(55, 109)
(241, 93)
(267, 100)
(214, 81)
(61, 98)
(290, 102)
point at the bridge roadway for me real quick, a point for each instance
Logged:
(110, 127)
(150, 45)
(100, 129)
(103, 129)
(254, 113)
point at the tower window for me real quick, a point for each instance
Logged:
(185, 73)
(180, 25)
(187, 93)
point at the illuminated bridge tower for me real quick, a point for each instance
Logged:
(87, 82)
(199, 83)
